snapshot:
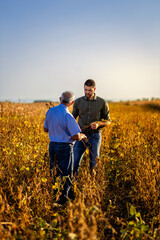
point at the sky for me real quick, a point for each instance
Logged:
(51, 46)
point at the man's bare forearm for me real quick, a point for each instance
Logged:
(100, 124)
(104, 123)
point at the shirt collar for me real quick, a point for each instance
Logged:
(93, 99)
(63, 106)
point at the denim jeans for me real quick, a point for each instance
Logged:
(64, 156)
(94, 143)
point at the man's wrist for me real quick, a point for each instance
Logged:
(103, 123)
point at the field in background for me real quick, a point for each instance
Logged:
(121, 201)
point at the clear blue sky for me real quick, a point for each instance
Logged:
(49, 46)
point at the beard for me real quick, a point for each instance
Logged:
(88, 95)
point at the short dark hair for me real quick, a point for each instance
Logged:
(90, 83)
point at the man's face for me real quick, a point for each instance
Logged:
(89, 91)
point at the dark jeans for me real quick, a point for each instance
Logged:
(64, 156)
(94, 142)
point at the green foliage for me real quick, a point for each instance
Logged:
(136, 227)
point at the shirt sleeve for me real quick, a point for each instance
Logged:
(72, 125)
(105, 111)
(46, 121)
(75, 111)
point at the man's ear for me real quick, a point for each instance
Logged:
(60, 99)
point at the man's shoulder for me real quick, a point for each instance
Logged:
(70, 118)
(78, 100)
(52, 110)
(100, 99)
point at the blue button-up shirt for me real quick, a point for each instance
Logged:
(61, 124)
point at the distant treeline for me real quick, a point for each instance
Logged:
(44, 101)
(47, 101)
(143, 99)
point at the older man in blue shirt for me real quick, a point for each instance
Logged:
(63, 131)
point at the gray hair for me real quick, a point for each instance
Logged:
(67, 97)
